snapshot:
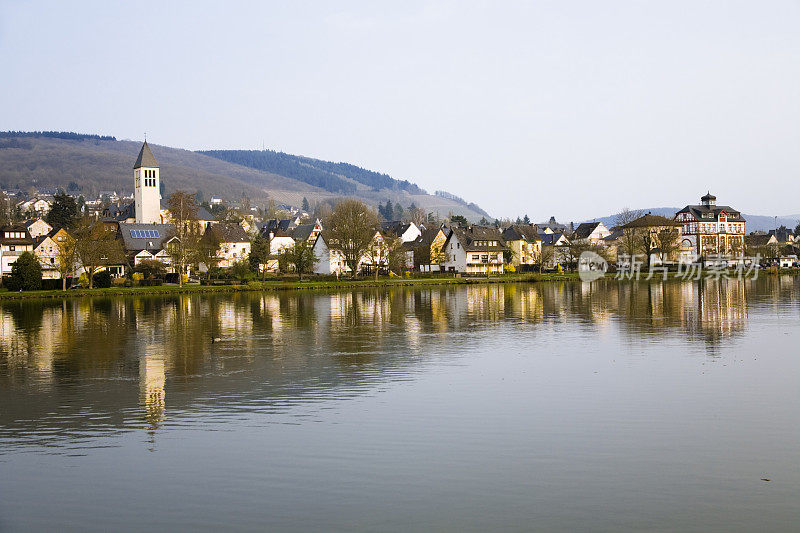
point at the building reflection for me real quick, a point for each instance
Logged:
(294, 342)
(152, 385)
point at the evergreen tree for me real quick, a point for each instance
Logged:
(26, 274)
(459, 220)
(306, 207)
(259, 253)
(526, 219)
(64, 211)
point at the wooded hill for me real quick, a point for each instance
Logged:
(101, 163)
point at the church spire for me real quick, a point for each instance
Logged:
(145, 158)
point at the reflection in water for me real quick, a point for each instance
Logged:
(152, 378)
(469, 407)
(302, 340)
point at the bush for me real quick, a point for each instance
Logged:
(26, 274)
(83, 279)
(151, 268)
(102, 280)
(137, 277)
(241, 271)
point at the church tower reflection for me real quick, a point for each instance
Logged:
(152, 379)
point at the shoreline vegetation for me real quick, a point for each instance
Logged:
(344, 283)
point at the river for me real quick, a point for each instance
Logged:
(558, 406)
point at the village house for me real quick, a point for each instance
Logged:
(145, 241)
(712, 230)
(405, 231)
(590, 233)
(524, 244)
(475, 250)
(37, 227)
(328, 261)
(555, 247)
(427, 249)
(38, 205)
(46, 251)
(664, 235)
(14, 241)
(234, 243)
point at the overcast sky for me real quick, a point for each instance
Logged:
(573, 109)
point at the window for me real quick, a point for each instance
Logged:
(11, 248)
(476, 257)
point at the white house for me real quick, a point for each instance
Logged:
(406, 231)
(46, 251)
(38, 205)
(14, 241)
(328, 261)
(591, 232)
(234, 244)
(474, 250)
(37, 227)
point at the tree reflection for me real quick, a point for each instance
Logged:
(266, 349)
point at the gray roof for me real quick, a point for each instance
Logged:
(521, 232)
(227, 232)
(469, 235)
(26, 239)
(276, 227)
(650, 221)
(135, 237)
(145, 158)
(549, 239)
(585, 229)
(119, 212)
(302, 232)
(396, 227)
(699, 210)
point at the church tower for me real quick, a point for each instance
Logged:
(148, 186)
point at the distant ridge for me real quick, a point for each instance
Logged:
(333, 177)
(93, 163)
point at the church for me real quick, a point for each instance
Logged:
(148, 206)
(147, 192)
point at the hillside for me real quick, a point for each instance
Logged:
(96, 163)
(752, 222)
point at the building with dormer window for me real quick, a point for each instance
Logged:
(712, 230)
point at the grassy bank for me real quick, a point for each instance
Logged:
(281, 285)
(311, 284)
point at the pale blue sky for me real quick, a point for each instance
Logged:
(574, 109)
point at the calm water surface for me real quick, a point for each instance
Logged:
(553, 407)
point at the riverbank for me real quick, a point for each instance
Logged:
(311, 284)
(283, 285)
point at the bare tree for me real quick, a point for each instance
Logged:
(387, 251)
(67, 256)
(630, 242)
(96, 247)
(544, 255)
(183, 215)
(300, 256)
(351, 228)
(668, 240)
